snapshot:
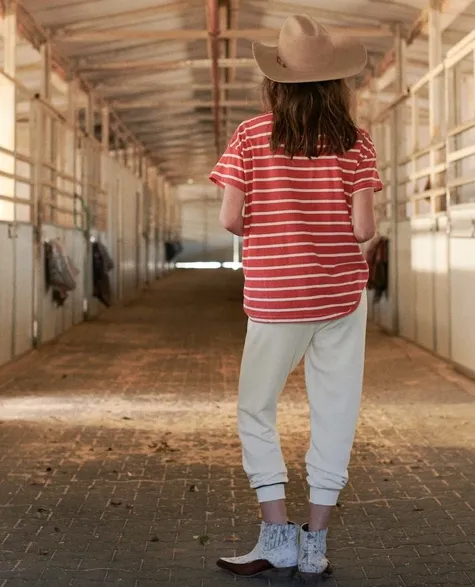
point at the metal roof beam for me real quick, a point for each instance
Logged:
(171, 88)
(144, 66)
(153, 125)
(182, 134)
(139, 104)
(199, 34)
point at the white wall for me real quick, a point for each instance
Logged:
(202, 236)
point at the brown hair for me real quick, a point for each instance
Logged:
(311, 119)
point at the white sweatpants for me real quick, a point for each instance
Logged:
(334, 361)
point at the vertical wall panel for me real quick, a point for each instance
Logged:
(406, 291)
(114, 239)
(77, 296)
(6, 294)
(48, 310)
(68, 310)
(23, 289)
(406, 302)
(423, 267)
(462, 286)
(131, 187)
(441, 292)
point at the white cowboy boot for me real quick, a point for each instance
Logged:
(313, 563)
(276, 550)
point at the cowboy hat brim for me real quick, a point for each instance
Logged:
(348, 59)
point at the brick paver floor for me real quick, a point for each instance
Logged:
(120, 465)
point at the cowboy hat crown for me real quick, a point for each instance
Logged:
(307, 52)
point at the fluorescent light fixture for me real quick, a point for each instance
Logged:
(199, 265)
(232, 265)
(209, 265)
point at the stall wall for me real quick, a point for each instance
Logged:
(132, 250)
(426, 157)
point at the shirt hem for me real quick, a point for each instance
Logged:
(370, 184)
(328, 318)
(223, 183)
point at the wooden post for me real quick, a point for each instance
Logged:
(105, 128)
(436, 105)
(396, 136)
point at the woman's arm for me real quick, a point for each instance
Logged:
(364, 222)
(231, 217)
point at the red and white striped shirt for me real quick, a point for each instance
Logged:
(301, 260)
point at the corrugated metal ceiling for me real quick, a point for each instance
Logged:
(151, 60)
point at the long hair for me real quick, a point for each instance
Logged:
(310, 119)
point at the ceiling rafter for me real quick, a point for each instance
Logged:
(172, 88)
(146, 104)
(199, 34)
(166, 124)
(148, 65)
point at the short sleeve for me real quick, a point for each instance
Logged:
(366, 173)
(230, 169)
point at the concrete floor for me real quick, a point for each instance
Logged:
(120, 465)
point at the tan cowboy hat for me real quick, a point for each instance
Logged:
(308, 53)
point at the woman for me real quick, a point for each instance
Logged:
(299, 185)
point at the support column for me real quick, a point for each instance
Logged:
(8, 210)
(105, 124)
(45, 81)
(39, 137)
(397, 121)
(72, 142)
(152, 182)
(166, 217)
(71, 138)
(161, 223)
(116, 140)
(436, 120)
(89, 203)
(8, 117)
(147, 215)
(50, 146)
(72, 100)
(435, 58)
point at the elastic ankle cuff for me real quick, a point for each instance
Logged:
(271, 492)
(328, 497)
